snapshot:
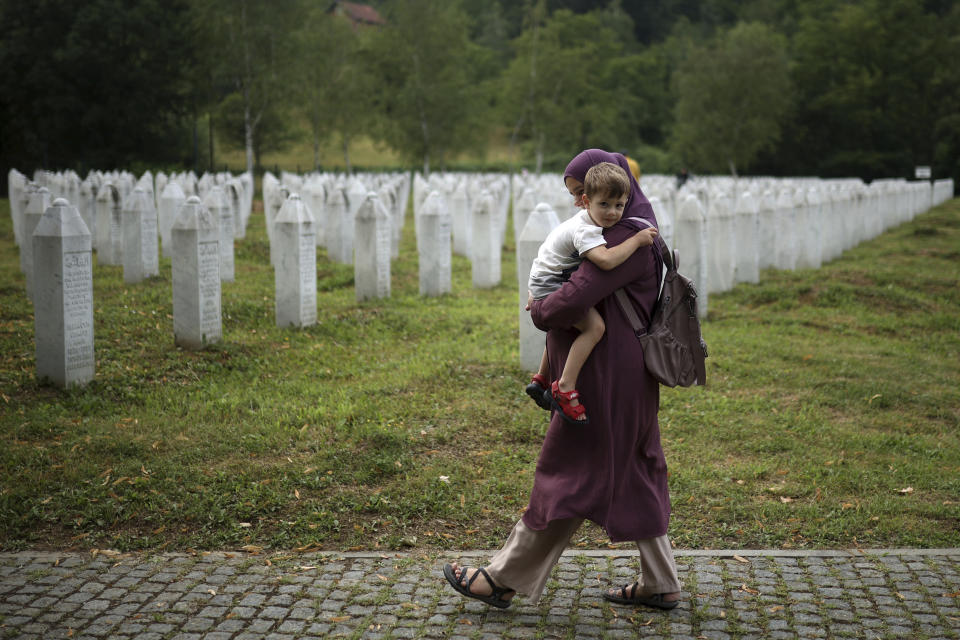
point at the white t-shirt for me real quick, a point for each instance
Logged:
(562, 250)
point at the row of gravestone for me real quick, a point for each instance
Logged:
(726, 231)
(718, 226)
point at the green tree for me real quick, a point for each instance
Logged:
(732, 98)
(566, 87)
(84, 88)
(252, 52)
(334, 79)
(428, 93)
(876, 88)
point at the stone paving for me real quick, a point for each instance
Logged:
(240, 596)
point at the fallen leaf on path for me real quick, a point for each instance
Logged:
(741, 559)
(775, 609)
(906, 490)
(339, 618)
(744, 587)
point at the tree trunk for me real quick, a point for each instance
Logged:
(426, 164)
(540, 140)
(733, 168)
(248, 131)
(210, 139)
(346, 152)
(316, 151)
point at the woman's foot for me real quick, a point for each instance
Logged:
(567, 403)
(629, 595)
(476, 583)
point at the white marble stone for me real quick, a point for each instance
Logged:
(171, 199)
(296, 267)
(16, 184)
(462, 221)
(63, 297)
(433, 246)
(218, 205)
(811, 230)
(37, 204)
(195, 251)
(746, 219)
(485, 247)
(785, 240)
(523, 206)
(371, 263)
(140, 238)
(340, 228)
(690, 242)
(721, 247)
(537, 227)
(109, 241)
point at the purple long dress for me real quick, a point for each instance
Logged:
(613, 470)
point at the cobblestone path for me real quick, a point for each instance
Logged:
(237, 596)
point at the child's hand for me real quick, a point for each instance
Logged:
(646, 237)
(529, 301)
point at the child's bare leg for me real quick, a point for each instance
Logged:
(544, 369)
(591, 331)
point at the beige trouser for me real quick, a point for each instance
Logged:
(528, 556)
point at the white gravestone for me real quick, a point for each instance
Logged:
(217, 204)
(16, 184)
(87, 205)
(690, 231)
(296, 267)
(485, 244)
(721, 243)
(538, 226)
(462, 224)
(522, 208)
(37, 205)
(63, 299)
(767, 230)
(434, 246)
(195, 248)
(664, 213)
(109, 241)
(785, 249)
(747, 254)
(371, 264)
(140, 248)
(810, 254)
(171, 200)
(339, 233)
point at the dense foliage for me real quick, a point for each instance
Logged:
(785, 87)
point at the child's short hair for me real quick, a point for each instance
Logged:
(607, 179)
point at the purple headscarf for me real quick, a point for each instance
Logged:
(637, 204)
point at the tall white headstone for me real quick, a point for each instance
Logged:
(434, 246)
(371, 264)
(538, 226)
(109, 241)
(767, 230)
(785, 251)
(462, 222)
(690, 233)
(219, 207)
(810, 230)
(37, 205)
(140, 248)
(339, 233)
(747, 254)
(63, 296)
(485, 244)
(171, 200)
(195, 249)
(296, 267)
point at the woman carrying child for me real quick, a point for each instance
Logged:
(606, 189)
(614, 472)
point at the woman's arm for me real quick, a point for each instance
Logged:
(589, 285)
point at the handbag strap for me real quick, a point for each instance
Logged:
(669, 257)
(630, 312)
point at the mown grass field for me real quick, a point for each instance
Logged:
(831, 418)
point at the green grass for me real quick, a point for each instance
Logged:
(830, 392)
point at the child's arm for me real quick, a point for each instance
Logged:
(608, 258)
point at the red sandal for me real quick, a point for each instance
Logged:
(560, 400)
(537, 389)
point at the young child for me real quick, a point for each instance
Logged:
(606, 189)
